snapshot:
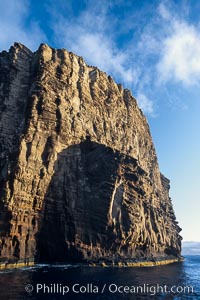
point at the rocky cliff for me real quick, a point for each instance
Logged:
(79, 177)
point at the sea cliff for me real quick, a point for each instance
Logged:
(79, 176)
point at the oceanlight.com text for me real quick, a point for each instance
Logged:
(112, 288)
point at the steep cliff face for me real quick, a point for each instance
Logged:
(79, 177)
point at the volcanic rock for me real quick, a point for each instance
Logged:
(79, 176)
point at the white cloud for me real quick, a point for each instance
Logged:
(145, 104)
(91, 36)
(164, 12)
(14, 28)
(97, 50)
(180, 54)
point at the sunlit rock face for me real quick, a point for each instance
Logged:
(79, 177)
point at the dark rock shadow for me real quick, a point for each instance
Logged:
(7, 182)
(76, 206)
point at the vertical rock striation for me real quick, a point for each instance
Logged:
(79, 175)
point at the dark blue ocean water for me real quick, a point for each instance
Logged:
(174, 281)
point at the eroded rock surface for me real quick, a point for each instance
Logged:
(79, 177)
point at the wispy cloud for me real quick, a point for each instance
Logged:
(144, 57)
(90, 37)
(169, 55)
(145, 104)
(93, 35)
(100, 51)
(180, 55)
(13, 25)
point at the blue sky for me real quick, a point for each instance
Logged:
(152, 48)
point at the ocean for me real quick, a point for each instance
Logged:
(175, 281)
